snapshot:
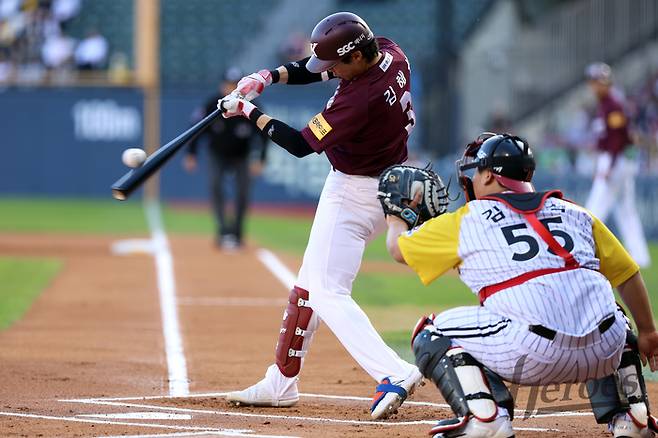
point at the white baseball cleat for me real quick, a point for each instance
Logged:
(471, 427)
(260, 394)
(390, 395)
(623, 426)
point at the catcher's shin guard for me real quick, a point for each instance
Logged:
(500, 391)
(459, 378)
(623, 391)
(296, 319)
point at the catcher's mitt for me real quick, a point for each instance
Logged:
(399, 184)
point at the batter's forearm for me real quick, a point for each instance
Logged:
(296, 73)
(396, 226)
(285, 136)
(634, 294)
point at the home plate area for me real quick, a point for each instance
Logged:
(208, 414)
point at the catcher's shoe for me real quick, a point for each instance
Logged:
(471, 427)
(389, 396)
(623, 426)
(260, 394)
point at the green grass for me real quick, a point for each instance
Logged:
(383, 295)
(71, 216)
(22, 280)
(386, 290)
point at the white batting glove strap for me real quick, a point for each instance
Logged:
(235, 105)
(253, 85)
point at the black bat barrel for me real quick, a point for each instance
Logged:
(132, 180)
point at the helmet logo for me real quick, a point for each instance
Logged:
(351, 45)
(313, 49)
(345, 49)
(481, 154)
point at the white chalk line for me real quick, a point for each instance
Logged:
(276, 267)
(184, 434)
(139, 416)
(176, 364)
(254, 415)
(120, 403)
(518, 412)
(232, 301)
(216, 431)
(163, 435)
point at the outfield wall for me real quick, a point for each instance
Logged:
(68, 142)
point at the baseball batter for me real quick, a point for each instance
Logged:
(543, 269)
(362, 130)
(614, 180)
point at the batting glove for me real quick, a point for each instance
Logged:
(253, 85)
(235, 105)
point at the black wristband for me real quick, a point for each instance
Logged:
(275, 76)
(255, 114)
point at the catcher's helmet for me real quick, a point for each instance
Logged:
(507, 156)
(336, 36)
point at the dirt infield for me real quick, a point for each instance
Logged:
(89, 357)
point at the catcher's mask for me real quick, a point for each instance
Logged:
(507, 156)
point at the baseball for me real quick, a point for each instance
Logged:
(133, 157)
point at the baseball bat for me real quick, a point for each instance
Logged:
(133, 179)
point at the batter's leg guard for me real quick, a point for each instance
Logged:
(623, 392)
(459, 378)
(296, 318)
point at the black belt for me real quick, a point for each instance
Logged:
(549, 334)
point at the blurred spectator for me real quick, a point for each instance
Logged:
(119, 70)
(57, 51)
(91, 53)
(229, 146)
(64, 10)
(31, 39)
(9, 8)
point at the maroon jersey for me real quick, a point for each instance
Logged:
(614, 137)
(364, 126)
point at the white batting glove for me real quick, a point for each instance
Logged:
(253, 85)
(235, 105)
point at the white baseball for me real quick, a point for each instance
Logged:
(133, 157)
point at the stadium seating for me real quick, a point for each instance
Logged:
(112, 18)
(200, 37)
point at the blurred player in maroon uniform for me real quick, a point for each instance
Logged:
(363, 129)
(614, 181)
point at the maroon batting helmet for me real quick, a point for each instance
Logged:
(336, 36)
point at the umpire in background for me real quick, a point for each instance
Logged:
(229, 150)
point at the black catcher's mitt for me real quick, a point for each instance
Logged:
(399, 184)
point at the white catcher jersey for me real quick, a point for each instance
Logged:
(489, 243)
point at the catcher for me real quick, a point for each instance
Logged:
(543, 269)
